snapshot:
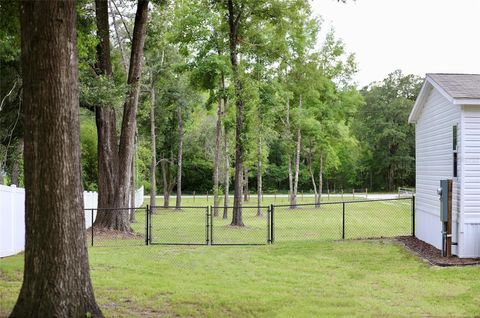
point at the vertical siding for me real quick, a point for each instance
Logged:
(470, 230)
(434, 161)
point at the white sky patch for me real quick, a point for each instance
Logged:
(416, 36)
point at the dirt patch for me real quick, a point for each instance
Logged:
(108, 234)
(432, 254)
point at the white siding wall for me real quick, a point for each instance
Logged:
(434, 161)
(470, 229)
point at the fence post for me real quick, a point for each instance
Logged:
(343, 220)
(193, 196)
(268, 226)
(91, 228)
(146, 225)
(413, 215)
(353, 192)
(207, 195)
(272, 224)
(366, 193)
(211, 226)
(207, 229)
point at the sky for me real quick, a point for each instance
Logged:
(415, 36)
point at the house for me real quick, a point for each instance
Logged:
(446, 115)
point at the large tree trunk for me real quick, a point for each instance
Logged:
(153, 148)
(259, 177)
(216, 161)
(178, 204)
(233, 23)
(293, 198)
(129, 121)
(106, 126)
(56, 281)
(115, 166)
(227, 173)
(16, 163)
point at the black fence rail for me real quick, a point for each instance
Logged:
(197, 225)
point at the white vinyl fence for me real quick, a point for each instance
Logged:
(12, 216)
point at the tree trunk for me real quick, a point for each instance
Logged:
(227, 174)
(129, 122)
(166, 187)
(56, 281)
(216, 162)
(290, 171)
(16, 163)
(233, 23)
(245, 184)
(313, 183)
(153, 148)
(178, 204)
(132, 191)
(106, 127)
(293, 200)
(320, 181)
(259, 177)
(119, 40)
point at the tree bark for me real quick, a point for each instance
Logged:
(129, 122)
(320, 180)
(56, 281)
(227, 174)
(119, 41)
(233, 23)
(166, 187)
(16, 163)
(106, 124)
(259, 177)
(227, 157)
(178, 204)
(132, 190)
(293, 198)
(153, 147)
(216, 161)
(245, 184)
(115, 174)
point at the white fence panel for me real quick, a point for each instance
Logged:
(12, 220)
(12, 216)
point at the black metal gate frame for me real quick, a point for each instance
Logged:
(209, 234)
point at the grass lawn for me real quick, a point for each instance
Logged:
(288, 279)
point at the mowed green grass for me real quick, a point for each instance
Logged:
(352, 278)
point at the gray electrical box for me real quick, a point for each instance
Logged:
(443, 193)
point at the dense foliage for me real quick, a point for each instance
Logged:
(299, 99)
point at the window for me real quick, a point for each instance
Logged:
(455, 153)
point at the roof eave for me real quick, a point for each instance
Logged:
(466, 101)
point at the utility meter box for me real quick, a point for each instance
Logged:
(443, 193)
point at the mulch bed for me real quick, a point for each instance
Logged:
(432, 254)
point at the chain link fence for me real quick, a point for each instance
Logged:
(196, 225)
